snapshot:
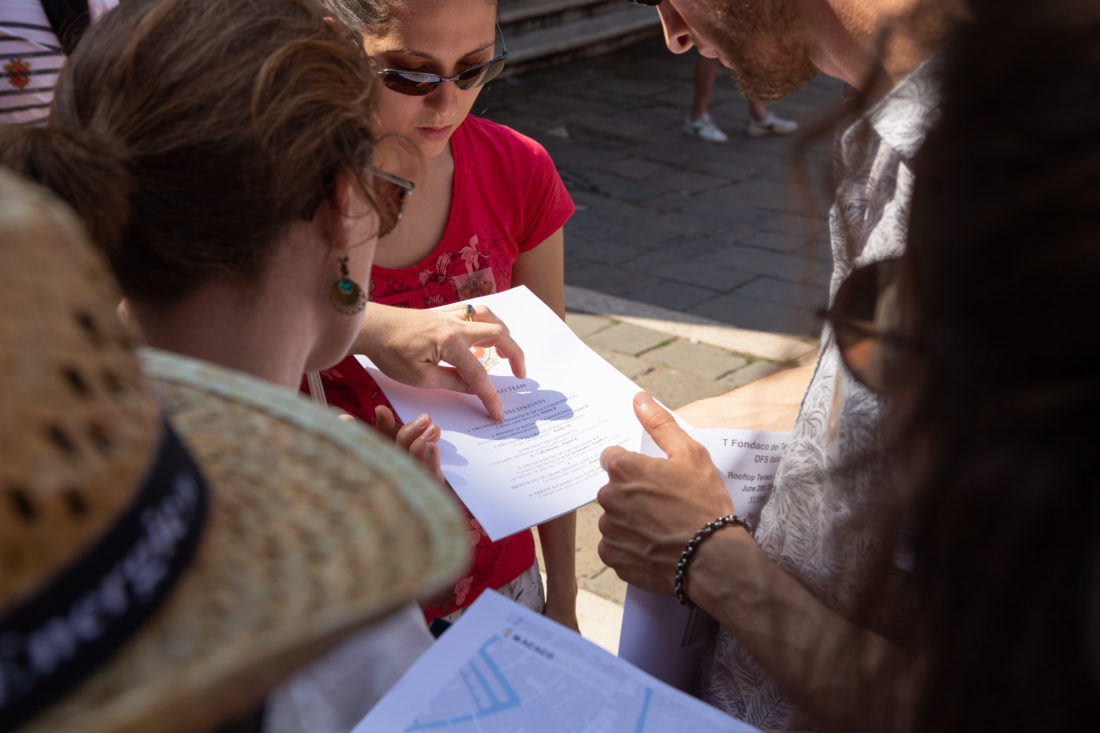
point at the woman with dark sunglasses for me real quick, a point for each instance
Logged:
(487, 215)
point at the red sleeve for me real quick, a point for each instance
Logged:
(520, 176)
(548, 202)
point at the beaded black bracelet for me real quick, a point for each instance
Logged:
(693, 544)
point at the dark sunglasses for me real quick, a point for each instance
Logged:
(390, 195)
(865, 321)
(419, 83)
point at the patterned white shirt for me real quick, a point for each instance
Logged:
(833, 478)
(30, 59)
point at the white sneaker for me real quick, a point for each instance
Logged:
(771, 125)
(704, 129)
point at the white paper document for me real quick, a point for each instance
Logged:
(502, 667)
(746, 460)
(658, 634)
(542, 460)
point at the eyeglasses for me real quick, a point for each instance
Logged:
(865, 320)
(419, 83)
(390, 195)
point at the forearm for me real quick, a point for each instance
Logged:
(372, 330)
(843, 676)
(558, 539)
(769, 403)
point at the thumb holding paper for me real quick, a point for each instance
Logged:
(653, 506)
(661, 425)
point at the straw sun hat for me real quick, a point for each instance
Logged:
(141, 592)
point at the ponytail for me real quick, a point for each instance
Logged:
(86, 170)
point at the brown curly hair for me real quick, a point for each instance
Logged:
(188, 134)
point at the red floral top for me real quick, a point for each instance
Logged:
(508, 198)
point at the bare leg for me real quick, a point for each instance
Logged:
(758, 110)
(706, 71)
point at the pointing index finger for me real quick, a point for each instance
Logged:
(471, 371)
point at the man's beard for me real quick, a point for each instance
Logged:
(764, 45)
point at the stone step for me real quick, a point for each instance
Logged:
(544, 32)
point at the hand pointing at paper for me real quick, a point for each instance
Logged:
(408, 345)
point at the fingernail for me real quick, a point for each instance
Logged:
(422, 420)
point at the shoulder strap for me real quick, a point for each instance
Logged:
(316, 388)
(69, 19)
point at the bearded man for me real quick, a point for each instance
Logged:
(787, 654)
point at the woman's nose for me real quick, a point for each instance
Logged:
(444, 99)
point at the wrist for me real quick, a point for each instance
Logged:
(705, 565)
(366, 340)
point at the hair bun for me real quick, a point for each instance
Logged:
(88, 170)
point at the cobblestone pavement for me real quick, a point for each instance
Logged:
(713, 231)
(693, 268)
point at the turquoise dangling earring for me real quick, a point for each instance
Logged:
(346, 295)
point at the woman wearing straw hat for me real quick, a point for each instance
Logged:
(141, 591)
(221, 155)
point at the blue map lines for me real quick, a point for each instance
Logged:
(640, 727)
(505, 669)
(489, 693)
